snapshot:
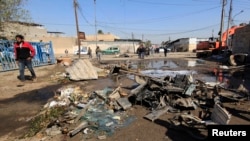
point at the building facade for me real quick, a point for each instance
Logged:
(35, 33)
(185, 44)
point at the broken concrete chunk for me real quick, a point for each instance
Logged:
(54, 130)
(156, 114)
(124, 103)
(115, 94)
(185, 102)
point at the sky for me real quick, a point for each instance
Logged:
(153, 20)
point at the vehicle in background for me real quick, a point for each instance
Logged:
(83, 51)
(161, 50)
(111, 50)
(212, 46)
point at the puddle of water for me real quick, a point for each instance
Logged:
(163, 73)
(172, 67)
(166, 64)
(154, 64)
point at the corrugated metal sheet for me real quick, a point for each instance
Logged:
(82, 70)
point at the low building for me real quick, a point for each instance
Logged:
(29, 30)
(185, 44)
(101, 37)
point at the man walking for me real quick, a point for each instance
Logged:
(24, 52)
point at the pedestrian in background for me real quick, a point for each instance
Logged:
(90, 52)
(66, 52)
(24, 52)
(98, 52)
(165, 51)
(152, 51)
(141, 51)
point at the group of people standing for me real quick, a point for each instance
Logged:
(98, 52)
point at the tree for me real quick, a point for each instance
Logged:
(99, 31)
(148, 43)
(12, 10)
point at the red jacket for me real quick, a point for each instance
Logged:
(23, 50)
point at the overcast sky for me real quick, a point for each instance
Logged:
(154, 20)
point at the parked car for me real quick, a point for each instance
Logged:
(161, 49)
(111, 50)
(83, 51)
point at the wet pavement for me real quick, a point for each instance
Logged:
(200, 69)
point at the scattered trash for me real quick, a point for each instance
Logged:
(100, 112)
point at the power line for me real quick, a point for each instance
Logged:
(152, 20)
(165, 3)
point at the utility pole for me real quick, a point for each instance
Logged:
(95, 25)
(228, 23)
(133, 41)
(77, 28)
(222, 24)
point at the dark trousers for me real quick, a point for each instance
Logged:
(165, 53)
(141, 55)
(28, 63)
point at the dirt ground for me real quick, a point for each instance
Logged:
(18, 104)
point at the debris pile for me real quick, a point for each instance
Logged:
(95, 114)
(194, 103)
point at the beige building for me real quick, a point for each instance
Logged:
(35, 32)
(101, 37)
(29, 30)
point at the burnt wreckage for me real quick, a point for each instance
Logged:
(193, 103)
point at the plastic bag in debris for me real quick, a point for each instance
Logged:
(66, 92)
(57, 103)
